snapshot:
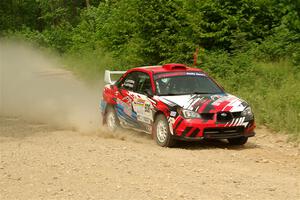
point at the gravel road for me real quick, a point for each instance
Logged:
(38, 161)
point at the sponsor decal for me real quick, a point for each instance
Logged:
(224, 114)
(173, 113)
(143, 119)
(147, 107)
(143, 109)
(170, 74)
(128, 83)
(165, 75)
(194, 74)
(139, 102)
(126, 104)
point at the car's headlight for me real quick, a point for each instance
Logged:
(247, 113)
(190, 114)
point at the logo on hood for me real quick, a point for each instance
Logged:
(224, 114)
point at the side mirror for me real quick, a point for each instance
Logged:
(148, 92)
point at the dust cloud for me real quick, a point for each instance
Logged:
(35, 88)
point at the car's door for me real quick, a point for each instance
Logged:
(133, 107)
(141, 102)
(125, 97)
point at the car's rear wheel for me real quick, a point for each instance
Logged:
(238, 141)
(162, 134)
(112, 120)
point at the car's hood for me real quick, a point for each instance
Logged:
(205, 103)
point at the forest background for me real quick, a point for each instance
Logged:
(252, 47)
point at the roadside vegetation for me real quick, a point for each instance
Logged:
(251, 46)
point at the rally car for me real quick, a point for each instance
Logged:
(175, 102)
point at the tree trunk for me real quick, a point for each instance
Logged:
(87, 3)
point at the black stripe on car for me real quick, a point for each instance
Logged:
(186, 130)
(195, 132)
(178, 124)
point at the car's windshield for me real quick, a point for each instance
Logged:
(183, 84)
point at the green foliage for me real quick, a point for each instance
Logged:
(275, 96)
(88, 65)
(282, 44)
(137, 32)
(15, 14)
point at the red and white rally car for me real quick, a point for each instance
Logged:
(175, 102)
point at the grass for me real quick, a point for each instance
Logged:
(273, 90)
(88, 65)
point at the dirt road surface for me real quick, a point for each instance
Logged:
(38, 161)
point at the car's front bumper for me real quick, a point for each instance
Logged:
(196, 129)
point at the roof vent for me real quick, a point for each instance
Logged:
(174, 66)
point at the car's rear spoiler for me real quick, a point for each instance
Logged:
(108, 73)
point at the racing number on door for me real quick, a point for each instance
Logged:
(147, 108)
(132, 103)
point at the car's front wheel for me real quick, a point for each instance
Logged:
(162, 134)
(238, 141)
(112, 120)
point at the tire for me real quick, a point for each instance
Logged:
(238, 141)
(162, 134)
(111, 119)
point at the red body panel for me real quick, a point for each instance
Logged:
(129, 104)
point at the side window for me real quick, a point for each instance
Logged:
(143, 83)
(128, 83)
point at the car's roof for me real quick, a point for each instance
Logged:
(171, 67)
